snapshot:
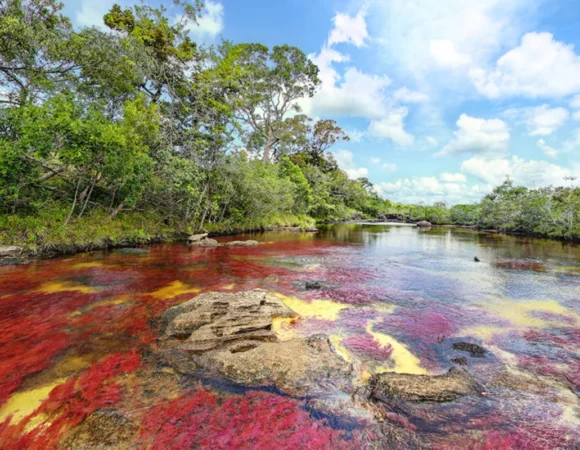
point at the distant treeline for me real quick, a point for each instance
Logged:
(96, 126)
(550, 211)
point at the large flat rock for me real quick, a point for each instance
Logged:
(297, 367)
(423, 388)
(215, 319)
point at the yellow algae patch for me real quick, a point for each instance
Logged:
(283, 328)
(321, 309)
(484, 332)
(340, 349)
(520, 313)
(521, 316)
(52, 288)
(22, 404)
(405, 361)
(228, 287)
(174, 289)
(88, 265)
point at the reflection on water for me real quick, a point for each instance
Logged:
(79, 336)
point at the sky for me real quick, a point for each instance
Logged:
(442, 99)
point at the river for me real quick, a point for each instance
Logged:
(78, 341)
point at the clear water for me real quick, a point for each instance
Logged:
(79, 336)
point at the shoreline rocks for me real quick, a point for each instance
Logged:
(424, 224)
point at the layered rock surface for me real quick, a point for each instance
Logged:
(423, 388)
(231, 335)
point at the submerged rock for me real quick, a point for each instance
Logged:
(103, 429)
(459, 361)
(197, 237)
(242, 243)
(205, 242)
(217, 318)
(133, 251)
(474, 349)
(313, 285)
(297, 367)
(423, 388)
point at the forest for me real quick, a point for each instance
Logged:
(138, 129)
(135, 131)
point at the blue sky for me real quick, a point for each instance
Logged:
(442, 99)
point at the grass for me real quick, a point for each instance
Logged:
(46, 231)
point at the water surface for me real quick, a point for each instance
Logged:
(79, 335)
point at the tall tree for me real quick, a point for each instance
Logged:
(267, 88)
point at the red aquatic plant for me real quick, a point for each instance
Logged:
(70, 403)
(252, 421)
(365, 345)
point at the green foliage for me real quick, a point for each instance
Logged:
(99, 130)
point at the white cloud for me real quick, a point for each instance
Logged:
(355, 135)
(575, 102)
(356, 93)
(92, 12)
(548, 151)
(210, 22)
(345, 160)
(576, 115)
(392, 127)
(421, 35)
(445, 54)
(375, 161)
(447, 177)
(431, 141)
(478, 136)
(539, 67)
(526, 173)
(405, 95)
(429, 190)
(347, 29)
(540, 120)
(391, 167)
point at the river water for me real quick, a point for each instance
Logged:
(78, 338)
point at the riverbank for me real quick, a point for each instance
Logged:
(23, 239)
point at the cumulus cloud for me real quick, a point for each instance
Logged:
(210, 23)
(528, 173)
(575, 102)
(430, 190)
(390, 167)
(375, 161)
(405, 95)
(392, 127)
(540, 120)
(445, 54)
(426, 35)
(478, 136)
(92, 12)
(354, 93)
(431, 141)
(539, 67)
(345, 160)
(348, 29)
(548, 151)
(447, 177)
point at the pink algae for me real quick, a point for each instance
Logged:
(253, 421)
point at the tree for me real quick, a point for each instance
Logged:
(266, 89)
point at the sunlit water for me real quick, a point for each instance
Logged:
(78, 335)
